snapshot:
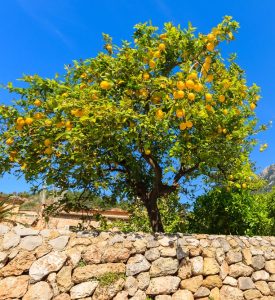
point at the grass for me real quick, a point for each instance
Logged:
(108, 278)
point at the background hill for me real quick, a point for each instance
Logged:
(269, 175)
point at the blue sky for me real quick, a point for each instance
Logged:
(42, 36)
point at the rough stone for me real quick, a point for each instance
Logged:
(51, 262)
(136, 265)
(131, 285)
(230, 281)
(197, 265)
(202, 292)
(214, 294)
(24, 231)
(10, 240)
(230, 293)
(152, 254)
(143, 280)
(271, 286)
(258, 262)
(163, 297)
(182, 251)
(166, 241)
(210, 266)
(192, 284)
(260, 275)
(4, 229)
(212, 281)
(220, 255)
(182, 294)
(233, 257)
(64, 279)
(30, 242)
(18, 265)
(83, 289)
(93, 254)
(263, 287)
(139, 295)
(164, 266)
(59, 243)
(185, 269)
(247, 256)
(62, 296)
(224, 244)
(195, 251)
(163, 285)
(209, 252)
(224, 269)
(109, 291)
(140, 246)
(252, 294)
(13, 287)
(116, 253)
(3, 258)
(245, 283)
(240, 269)
(74, 256)
(51, 279)
(123, 295)
(39, 291)
(270, 266)
(42, 250)
(81, 274)
(168, 251)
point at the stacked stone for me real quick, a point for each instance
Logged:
(61, 265)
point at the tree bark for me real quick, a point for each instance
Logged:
(154, 214)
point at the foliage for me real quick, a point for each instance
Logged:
(109, 278)
(30, 205)
(173, 215)
(139, 121)
(235, 212)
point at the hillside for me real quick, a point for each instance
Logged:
(269, 175)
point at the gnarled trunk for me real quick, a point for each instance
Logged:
(154, 214)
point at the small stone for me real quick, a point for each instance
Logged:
(115, 253)
(245, 283)
(182, 252)
(10, 240)
(247, 256)
(3, 257)
(252, 294)
(166, 241)
(258, 262)
(224, 244)
(185, 270)
(272, 277)
(195, 251)
(224, 269)
(131, 285)
(13, 287)
(230, 281)
(4, 229)
(260, 275)
(230, 293)
(18, 265)
(83, 289)
(209, 252)
(240, 269)
(182, 294)
(136, 265)
(271, 285)
(210, 266)
(197, 265)
(51, 279)
(220, 255)
(233, 257)
(202, 292)
(64, 279)
(192, 242)
(214, 294)
(24, 231)
(51, 262)
(152, 243)
(59, 243)
(168, 251)
(163, 297)
(30, 242)
(263, 287)
(74, 256)
(140, 245)
(163, 285)
(270, 266)
(212, 281)
(152, 254)
(164, 266)
(192, 284)
(109, 291)
(39, 291)
(123, 295)
(62, 297)
(139, 295)
(143, 280)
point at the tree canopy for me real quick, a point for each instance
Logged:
(140, 120)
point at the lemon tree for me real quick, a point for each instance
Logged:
(138, 121)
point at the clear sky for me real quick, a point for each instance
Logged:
(41, 36)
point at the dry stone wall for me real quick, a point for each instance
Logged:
(61, 265)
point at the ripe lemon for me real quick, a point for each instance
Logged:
(208, 97)
(210, 47)
(157, 54)
(48, 151)
(161, 46)
(198, 87)
(252, 106)
(180, 85)
(206, 67)
(109, 48)
(38, 116)
(146, 76)
(222, 98)
(180, 113)
(190, 84)
(37, 102)
(147, 151)
(9, 141)
(105, 85)
(209, 78)
(191, 96)
(193, 76)
(47, 142)
(189, 124)
(163, 36)
(226, 83)
(159, 114)
(208, 59)
(152, 64)
(178, 94)
(244, 185)
(48, 122)
(182, 126)
(225, 111)
(29, 121)
(211, 37)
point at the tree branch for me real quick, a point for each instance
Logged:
(183, 172)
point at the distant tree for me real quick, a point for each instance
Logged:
(140, 121)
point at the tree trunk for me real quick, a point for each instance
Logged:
(154, 215)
